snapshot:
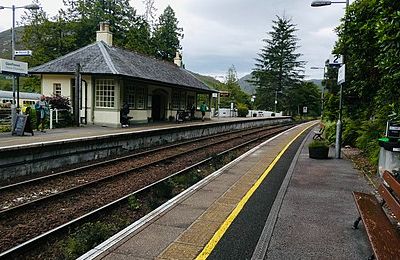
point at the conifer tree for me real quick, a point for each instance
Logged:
(167, 35)
(278, 70)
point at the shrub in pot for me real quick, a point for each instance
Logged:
(318, 149)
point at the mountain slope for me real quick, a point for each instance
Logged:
(246, 86)
(5, 42)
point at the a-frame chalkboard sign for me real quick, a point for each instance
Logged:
(19, 125)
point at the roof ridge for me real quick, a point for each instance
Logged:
(146, 56)
(64, 56)
(107, 57)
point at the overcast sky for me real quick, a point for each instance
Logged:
(222, 33)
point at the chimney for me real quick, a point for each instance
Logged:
(104, 33)
(178, 60)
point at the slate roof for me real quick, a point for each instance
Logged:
(100, 58)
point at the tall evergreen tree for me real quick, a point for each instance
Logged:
(87, 14)
(139, 37)
(278, 70)
(167, 35)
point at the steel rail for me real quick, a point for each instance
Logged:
(118, 159)
(20, 249)
(66, 192)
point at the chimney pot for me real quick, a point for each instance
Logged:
(104, 33)
(178, 59)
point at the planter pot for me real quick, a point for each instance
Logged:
(318, 152)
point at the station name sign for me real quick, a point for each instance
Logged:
(12, 66)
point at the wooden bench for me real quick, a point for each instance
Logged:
(382, 233)
(318, 134)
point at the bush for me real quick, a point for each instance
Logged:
(350, 132)
(242, 110)
(59, 102)
(5, 128)
(330, 131)
(133, 203)
(369, 133)
(318, 144)
(87, 237)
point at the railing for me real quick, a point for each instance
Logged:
(56, 117)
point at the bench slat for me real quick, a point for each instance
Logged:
(393, 183)
(390, 200)
(384, 238)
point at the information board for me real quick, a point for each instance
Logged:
(19, 125)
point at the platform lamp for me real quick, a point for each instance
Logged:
(13, 7)
(338, 142)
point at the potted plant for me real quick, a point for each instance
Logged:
(318, 149)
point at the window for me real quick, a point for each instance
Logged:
(182, 101)
(175, 100)
(140, 98)
(105, 93)
(130, 95)
(57, 89)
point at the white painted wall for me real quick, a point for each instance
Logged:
(48, 82)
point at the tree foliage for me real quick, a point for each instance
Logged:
(278, 69)
(236, 95)
(75, 26)
(167, 35)
(369, 37)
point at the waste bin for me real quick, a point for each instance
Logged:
(389, 154)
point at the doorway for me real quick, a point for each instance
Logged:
(159, 105)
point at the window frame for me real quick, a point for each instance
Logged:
(105, 93)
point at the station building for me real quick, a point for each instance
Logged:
(155, 90)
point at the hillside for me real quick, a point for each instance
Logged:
(208, 80)
(246, 86)
(250, 89)
(5, 42)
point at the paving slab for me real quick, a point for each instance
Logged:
(145, 246)
(217, 199)
(317, 212)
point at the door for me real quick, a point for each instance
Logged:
(156, 107)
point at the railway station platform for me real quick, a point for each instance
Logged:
(90, 131)
(43, 152)
(273, 202)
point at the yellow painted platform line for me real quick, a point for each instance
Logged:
(224, 227)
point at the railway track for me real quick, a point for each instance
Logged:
(19, 194)
(79, 201)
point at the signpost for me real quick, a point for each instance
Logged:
(338, 141)
(13, 67)
(19, 125)
(23, 53)
(335, 60)
(342, 74)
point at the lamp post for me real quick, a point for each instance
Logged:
(323, 88)
(13, 7)
(338, 141)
